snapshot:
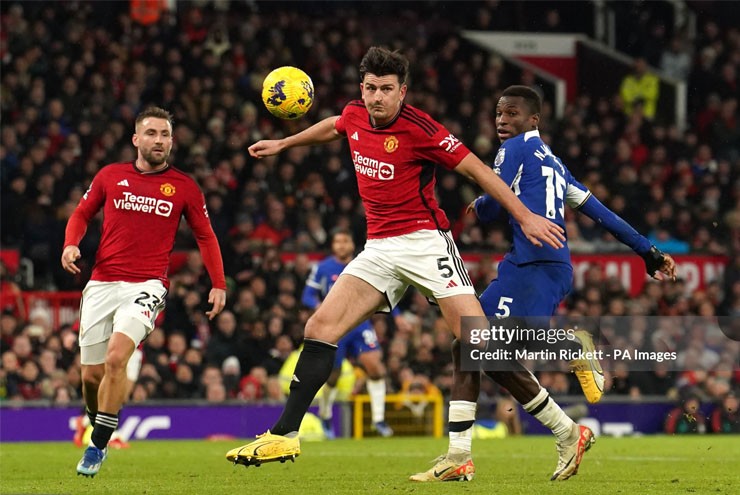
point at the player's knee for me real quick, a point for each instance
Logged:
(317, 328)
(375, 370)
(122, 346)
(92, 375)
(116, 361)
(333, 380)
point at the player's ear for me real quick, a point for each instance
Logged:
(403, 91)
(535, 119)
(135, 140)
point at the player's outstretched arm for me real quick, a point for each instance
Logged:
(537, 229)
(657, 263)
(319, 133)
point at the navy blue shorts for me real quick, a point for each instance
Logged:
(532, 292)
(358, 341)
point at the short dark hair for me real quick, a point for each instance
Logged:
(340, 231)
(382, 62)
(530, 96)
(156, 112)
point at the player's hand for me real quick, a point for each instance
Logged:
(69, 256)
(659, 265)
(537, 228)
(471, 206)
(217, 297)
(266, 147)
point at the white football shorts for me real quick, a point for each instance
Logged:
(109, 307)
(426, 259)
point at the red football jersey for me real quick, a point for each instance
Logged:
(395, 168)
(141, 214)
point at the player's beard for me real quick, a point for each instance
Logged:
(153, 159)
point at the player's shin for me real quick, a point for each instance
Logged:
(462, 419)
(549, 413)
(311, 372)
(376, 391)
(463, 405)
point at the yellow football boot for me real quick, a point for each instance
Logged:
(266, 448)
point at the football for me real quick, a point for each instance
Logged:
(287, 92)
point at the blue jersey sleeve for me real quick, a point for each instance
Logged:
(487, 209)
(312, 292)
(615, 225)
(579, 197)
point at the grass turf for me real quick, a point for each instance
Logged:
(655, 464)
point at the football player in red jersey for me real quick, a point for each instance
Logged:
(395, 148)
(142, 202)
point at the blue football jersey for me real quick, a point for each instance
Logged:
(544, 184)
(357, 341)
(323, 276)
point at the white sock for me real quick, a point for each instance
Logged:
(376, 390)
(326, 401)
(548, 412)
(461, 411)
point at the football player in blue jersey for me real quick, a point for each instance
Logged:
(361, 343)
(531, 284)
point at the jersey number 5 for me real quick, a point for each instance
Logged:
(503, 305)
(445, 269)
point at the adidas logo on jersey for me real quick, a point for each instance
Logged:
(355, 136)
(451, 284)
(124, 182)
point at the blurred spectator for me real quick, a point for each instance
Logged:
(11, 300)
(231, 372)
(252, 386)
(640, 89)
(29, 384)
(10, 376)
(686, 418)
(216, 392)
(725, 417)
(226, 341)
(675, 61)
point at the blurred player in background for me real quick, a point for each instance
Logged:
(142, 204)
(394, 147)
(531, 284)
(361, 343)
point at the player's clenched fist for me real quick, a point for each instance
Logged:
(69, 256)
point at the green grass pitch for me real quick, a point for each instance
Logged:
(641, 465)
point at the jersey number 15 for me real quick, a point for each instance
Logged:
(554, 187)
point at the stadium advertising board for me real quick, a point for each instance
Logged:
(203, 422)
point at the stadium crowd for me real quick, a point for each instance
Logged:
(75, 74)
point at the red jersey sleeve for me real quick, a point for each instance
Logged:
(91, 202)
(442, 146)
(340, 123)
(196, 214)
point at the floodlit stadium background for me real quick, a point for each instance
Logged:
(74, 75)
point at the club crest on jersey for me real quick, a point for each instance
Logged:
(499, 160)
(390, 144)
(167, 189)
